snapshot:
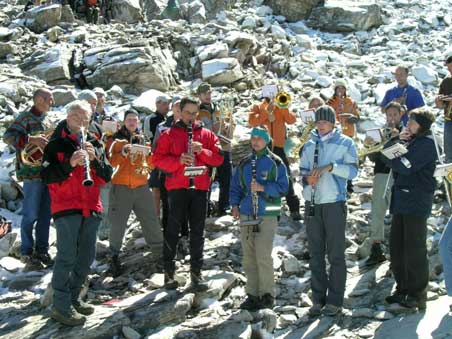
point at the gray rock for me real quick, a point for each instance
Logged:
(127, 11)
(291, 264)
(346, 16)
(425, 74)
(130, 333)
(217, 50)
(66, 14)
(196, 12)
(41, 18)
(54, 33)
(221, 71)
(154, 8)
(6, 48)
(9, 191)
(293, 10)
(63, 96)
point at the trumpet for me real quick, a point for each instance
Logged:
(138, 154)
(31, 155)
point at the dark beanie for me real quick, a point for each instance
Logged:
(326, 113)
(130, 111)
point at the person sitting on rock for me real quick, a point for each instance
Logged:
(411, 205)
(328, 160)
(345, 107)
(130, 192)
(275, 119)
(262, 176)
(76, 208)
(380, 198)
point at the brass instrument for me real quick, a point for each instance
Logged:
(283, 100)
(447, 100)
(226, 121)
(138, 154)
(31, 155)
(377, 147)
(305, 137)
(192, 170)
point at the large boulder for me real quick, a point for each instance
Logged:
(134, 69)
(346, 16)
(50, 65)
(221, 71)
(154, 8)
(210, 7)
(127, 11)
(41, 18)
(293, 10)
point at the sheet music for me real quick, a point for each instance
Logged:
(307, 116)
(269, 91)
(442, 170)
(394, 151)
(374, 134)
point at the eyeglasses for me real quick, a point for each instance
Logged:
(190, 113)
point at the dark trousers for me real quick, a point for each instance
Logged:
(76, 248)
(165, 207)
(326, 235)
(292, 200)
(224, 179)
(185, 203)
(408, 250)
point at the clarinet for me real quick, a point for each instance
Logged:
(190, 151)
(312, 203)
(254, 196)
(87, 181)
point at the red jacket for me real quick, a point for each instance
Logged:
(65, 183)
(173, 142)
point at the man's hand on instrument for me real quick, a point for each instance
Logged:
(186, 159)
(196, 147)
(89, 148)
(312, 180)
(78, 158)
(38, 140)
(126, 149)
(235, 212)
(256, 187)
(369, 141)
(395, 132)
(405, 135)
(317, 172)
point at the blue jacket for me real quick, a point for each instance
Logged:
(271, 173)
(413, 98)
(338, 150)
(412, 192)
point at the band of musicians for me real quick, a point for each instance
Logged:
(93, 169)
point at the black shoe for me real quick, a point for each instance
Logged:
(83, 307)
(73, 318)
(251, 303)
(396, 298)
(170, 282)
(267, 301)
(44, 258)
(419, 302)
(115, 266)
(306, 255)
(376, 255)
(296, 216)
(31, 263)
(197, 283)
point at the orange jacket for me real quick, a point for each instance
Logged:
(124, 171)
(348, 106)
(277, 128)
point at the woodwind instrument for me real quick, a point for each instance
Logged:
(255, 221)
(87, 181)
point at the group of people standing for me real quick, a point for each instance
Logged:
(83, 168)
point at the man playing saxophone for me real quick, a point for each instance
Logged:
(130, 190)
(76, 208)
(27, 132)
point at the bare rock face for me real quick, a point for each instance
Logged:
(293, 10)
(346, 16)
(134, 69)
(41, 18)
(127, 11)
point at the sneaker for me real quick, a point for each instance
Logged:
(296, 216)
(170, 282)
(115, 266)
(315, 310)
(396, 298)
(73, 318)
(45, 259)
(197, 283)
(251, 303)
(331, 310)
(376, 255)
(83, 307)
(31, 264)
(267, 301)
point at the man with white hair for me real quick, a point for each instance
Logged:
(76, 208)
(91, 98)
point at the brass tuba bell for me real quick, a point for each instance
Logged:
(283, 100)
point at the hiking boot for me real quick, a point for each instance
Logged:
(267, 301)
(376, 255)
(31, 264)
(115, 266)
(197, 283)
(44, 258)
(73, 318)
(170, 282)
(331, 310)
(296, 216)
(83, 307)
(396, 298)
(315, 310)
(251, 303)
(419, 302)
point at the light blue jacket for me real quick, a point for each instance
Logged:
(338, 150)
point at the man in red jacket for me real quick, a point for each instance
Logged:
(186, 144)
(76, 208)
